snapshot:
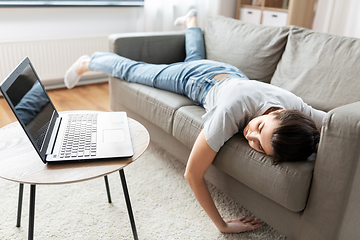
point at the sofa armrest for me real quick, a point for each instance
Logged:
(150, 47)
(333, 206)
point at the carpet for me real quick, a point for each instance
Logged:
(163, 204)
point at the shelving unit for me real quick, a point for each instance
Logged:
(277, 12)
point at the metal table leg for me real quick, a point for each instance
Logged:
(21, 193)
(107, 188)
(32, 212)
(128, 203)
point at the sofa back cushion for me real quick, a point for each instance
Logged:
(254, 49)
(320, 68)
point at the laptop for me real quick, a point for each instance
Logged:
(65, 136)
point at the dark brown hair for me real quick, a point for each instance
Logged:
(295, 139)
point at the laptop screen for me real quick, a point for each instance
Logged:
(31, 104)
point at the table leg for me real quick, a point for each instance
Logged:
(32, 212)
(128, 203)
(107, 188)
(21, 193)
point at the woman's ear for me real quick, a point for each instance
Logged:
(272, 110)
(277, 111)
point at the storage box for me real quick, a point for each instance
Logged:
(250, 15)
(274, 18)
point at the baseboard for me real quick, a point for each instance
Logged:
(59, 83)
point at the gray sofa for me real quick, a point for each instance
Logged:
(312, 199)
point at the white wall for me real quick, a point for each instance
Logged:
(31, 23)
(50, 36)
(228, 8)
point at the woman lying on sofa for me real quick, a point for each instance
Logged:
(274, 121)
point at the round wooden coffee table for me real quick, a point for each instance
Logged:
(20, 163)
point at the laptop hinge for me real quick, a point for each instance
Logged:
(53, 137)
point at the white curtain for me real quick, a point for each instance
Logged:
(341, 17)
(159, 15)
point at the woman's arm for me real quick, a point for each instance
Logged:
(201, 156)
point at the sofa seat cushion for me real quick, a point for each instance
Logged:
(287, 183)
(320, 68)
(254, 49)
(156, 105)
(188, 124)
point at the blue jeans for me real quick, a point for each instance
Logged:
(192, 78)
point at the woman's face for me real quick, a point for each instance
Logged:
(259, 132)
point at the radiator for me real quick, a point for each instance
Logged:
(51, 58)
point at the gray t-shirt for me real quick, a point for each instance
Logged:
(233, 102)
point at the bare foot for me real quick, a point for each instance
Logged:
(191, 22)
(83, 66)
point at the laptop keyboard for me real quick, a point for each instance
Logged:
(80, 136)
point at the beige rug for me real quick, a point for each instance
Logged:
(163, 205)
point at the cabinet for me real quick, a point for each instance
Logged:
(276, 12)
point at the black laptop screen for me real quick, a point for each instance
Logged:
(31, 104)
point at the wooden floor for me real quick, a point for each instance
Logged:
(86, 97)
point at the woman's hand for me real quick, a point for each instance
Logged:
(241, 225)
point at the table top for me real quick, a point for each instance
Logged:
(19, 162)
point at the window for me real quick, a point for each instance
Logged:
(72, 3)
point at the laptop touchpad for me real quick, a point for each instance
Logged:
(113, 135)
